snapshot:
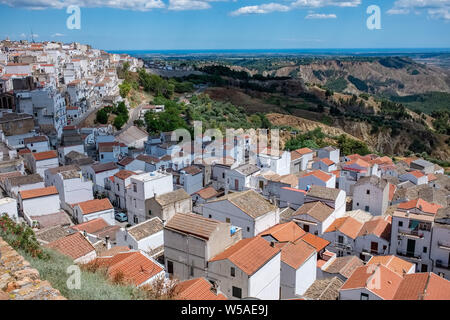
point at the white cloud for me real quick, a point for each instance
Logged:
(326, 3)
(139, 5)
(321, 16)
(261, 9)
(179, 5)
(437, 9)
(58, 35)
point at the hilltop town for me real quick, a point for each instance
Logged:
(202, 219)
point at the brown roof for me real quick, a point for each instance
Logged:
(324, 289)
(74, 246)
(207, 193)
(192, 170)
(7, 175)
(101, 167)
(35, 139)
(124, 174)
(64, 168)
(172, 197)
(193, 224)
(148, 159)
(323, 192)
(316, 209)
(125, 161)
(250, 202)
(36, 193)
(296, 254)
(24, 180)
(96, 205)
(423, 286)
(319, 174)
(249, 255)
(378, 226)
(197, 289)
(45, 155)
(113, 251)
(54, 219)
(344, 265)
(146, 228)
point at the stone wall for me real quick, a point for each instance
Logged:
(19, 281)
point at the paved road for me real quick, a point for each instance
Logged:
(133, 115)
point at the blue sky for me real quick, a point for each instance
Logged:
(232, 24)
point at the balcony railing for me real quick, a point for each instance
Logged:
(441, 265)
(409, 232)
(408, 254)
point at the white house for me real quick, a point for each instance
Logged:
(248, 269)
(371, 194)
(143, 187)
(42, 161)
(298, 268)
(92, 209)
(147, 236)
(415, 177)
(316, 178)
(73, 187)
(39, 202)
(37, 144)
(440, 243)
(300, 159)
(330, 153)
(274, 160)
(9, 206)
(247, 210)
(240, 178)
(98, 172)
(324, 164)
(291, 197)
(13, 185)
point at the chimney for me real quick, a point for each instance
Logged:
(108, 243)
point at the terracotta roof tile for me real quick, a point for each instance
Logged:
(74, 246)
(296, 254)
(249, 255)
(36, 193)
(285, 232)
(124, 174)
(207, 193)
(197, 289)
(315, 241)
(393, 263)
(423, 286)
(420, 204)
(92, 226)
(39, 156)
(96, 205)
(319, 174)
(193, 224)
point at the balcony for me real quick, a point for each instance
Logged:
(413, 233)
(443, 246)
(409, 254)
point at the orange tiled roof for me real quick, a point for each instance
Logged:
(423, 286)
(393, 263)
(431, 177)
(45, 155)
(207, 193)
(74, 246)
(39, 192)
(392, 189)
(95, 205)
(327, 161)
(296, 254)
(378, 226)
(304, 151)
(417, 174)
(249, 255)
(124, 174)
(359, 162)
(420, 204)
(346, 225)
(91, 226)
(197, 289)
(376, 278)
(284, 232)
(315, 241)
(319, 174)
(134, 266)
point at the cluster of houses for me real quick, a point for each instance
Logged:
(224, 218)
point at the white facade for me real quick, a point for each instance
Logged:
(9, 206)
(295, 282)
(41, 206)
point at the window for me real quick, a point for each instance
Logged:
(134, 187)
(102, 156)
(118, 187)
(316, 233)
(149, 212)
(232, 271)
(248, 229)
(357, 204)
(237, 292)
(227, 220)
(364, 296)
(424, 249)
(210, 216)
(367, 191)
(192, 271)
(306, 228)
(400, 223)
(223, 175)
(169, 267)
(136, 220)
(340, 239)
(366, 208)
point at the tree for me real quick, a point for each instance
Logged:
(119, 121)
(102, 116)
(124, 89)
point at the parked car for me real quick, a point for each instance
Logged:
(121, 217)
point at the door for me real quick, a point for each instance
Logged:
(374, 247)
(236, 184)
(410, 247)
